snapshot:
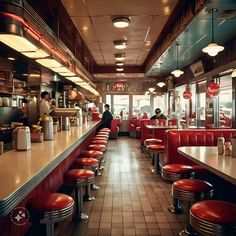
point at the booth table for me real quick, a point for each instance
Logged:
(207, 157)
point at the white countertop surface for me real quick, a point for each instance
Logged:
(19, 168)
(207, 157)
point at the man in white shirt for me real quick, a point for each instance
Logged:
(44, 106)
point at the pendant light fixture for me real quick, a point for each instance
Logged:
(120, 44)
(233, 73)
(160, 83)
(120, 56)
(121, 21)
(177, 72)
(213, 48)
(120, 63)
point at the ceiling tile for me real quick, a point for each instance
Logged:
(85, 28)
(121, 7)
(75, 7)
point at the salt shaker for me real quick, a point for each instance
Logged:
(220, 145)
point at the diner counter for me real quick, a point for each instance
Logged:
(22, 171)
(207, 157)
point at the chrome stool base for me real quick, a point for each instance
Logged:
(186, 232)
(175, 210)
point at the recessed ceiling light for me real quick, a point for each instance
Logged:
(11, 58)
(120, 21)
(120, 63)
(119, 68)
(120, 56)
(120, 44)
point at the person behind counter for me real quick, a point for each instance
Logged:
(44, 106)
(106, 117)
(158, 115)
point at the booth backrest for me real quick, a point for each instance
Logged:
(114, 126)
(144, 131)
(178, 138)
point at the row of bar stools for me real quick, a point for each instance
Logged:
(174, 172)
(189, 191)
(213, 218)
(50, 208)
(79, 178)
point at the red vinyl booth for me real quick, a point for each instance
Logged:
(178, 138)
(114, 129)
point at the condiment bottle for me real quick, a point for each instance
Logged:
(233, 141)
(220, 145)
(227, 148)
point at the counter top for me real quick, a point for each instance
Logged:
(22, 171)
(207, 157)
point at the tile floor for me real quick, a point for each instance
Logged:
(131, 200)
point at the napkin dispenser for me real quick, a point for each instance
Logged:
(22, 138)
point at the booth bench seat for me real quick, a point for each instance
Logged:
(194, 137)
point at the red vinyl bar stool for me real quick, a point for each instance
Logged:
(189, 191)
(99, 138)
(213, 217)
(79, 178)
(49, 208)
(174, 172)
(103, 133)
(102, 136)
(155, 150)
(97, 147)
(94, 154)
(89, 164)
(105, 129)
(97, 141)
(151, 141)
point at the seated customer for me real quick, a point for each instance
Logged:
(106, 118)
(158, 115)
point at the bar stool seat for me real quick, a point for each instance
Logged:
(49, 208)
(102, 136)
(187, 192)
(105, 129)
(79, 178)
(97, 141)
(99, 138)
(92, 153)
(87, 162)
(214, 217)
(103, 133)
(155, 150)
(97, 147)
(173, 172)
(151, 141)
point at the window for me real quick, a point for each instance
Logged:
(161, 102)
(141, 105)
(121, 106)
(108, 99)
(225, 101)
(180, 102)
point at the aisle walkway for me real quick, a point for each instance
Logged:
(131, 200)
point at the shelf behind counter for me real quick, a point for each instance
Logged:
(22, 171)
